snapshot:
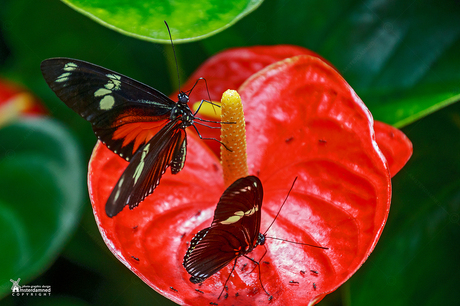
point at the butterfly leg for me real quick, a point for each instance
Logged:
(257, 262)
(212, 121)
(258, 265)
(233, 269)
(201, 103)
(205, 138)
(208, 126)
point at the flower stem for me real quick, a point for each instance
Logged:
(233, 136)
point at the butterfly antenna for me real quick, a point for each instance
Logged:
(174, 51)
(274, 219)
(301, 243)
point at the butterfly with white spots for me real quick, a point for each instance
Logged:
(135, 121)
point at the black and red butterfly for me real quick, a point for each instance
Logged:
(234, 232)
(135, 121)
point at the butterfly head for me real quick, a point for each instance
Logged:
(182, 98)
(260, 240)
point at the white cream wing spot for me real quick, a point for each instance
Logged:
(113, 76)
(117, 85)
(231, 220)
(107, 102)
(114, 81)
(102, 92)
(70, 66)
(244, 189)
(117, 194)
(251, 211)
(140, 167)
(63, 77)
(61, 80)
(235, 218)
(138, 171)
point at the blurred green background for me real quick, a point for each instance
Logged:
(401, 57)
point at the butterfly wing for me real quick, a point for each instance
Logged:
(233, 232)
(143, 173)
(240, 205)
(177, 164)
(211, 250)
(124, 113)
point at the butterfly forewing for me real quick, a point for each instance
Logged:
(147, 166)
(240, 205)
(113, 103)
(233, 232)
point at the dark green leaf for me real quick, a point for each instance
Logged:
(416, 260)
(188, 20)
(41, 192)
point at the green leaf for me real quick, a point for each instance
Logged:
(401, 57)
(41, 192)
(188, 20)
(416, 259)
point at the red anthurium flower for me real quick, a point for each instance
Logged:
(15, 102)
(303, 120)
(230, 68)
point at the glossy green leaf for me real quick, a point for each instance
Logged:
(416, 259)
(41, 192)
(188, 20)
(401, 57)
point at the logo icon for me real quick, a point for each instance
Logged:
(29, 290)
(15, 287)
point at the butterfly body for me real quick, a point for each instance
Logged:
(135, 121)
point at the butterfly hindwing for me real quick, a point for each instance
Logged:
(211, 250)
(233, 232)
(147, 166)
(113, 103)
(177, 164)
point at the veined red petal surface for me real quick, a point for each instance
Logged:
(151, 240)
(230, 68)
(303, 120)
(396, 147)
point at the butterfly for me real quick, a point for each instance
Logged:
(135, 121)
(234, 232)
